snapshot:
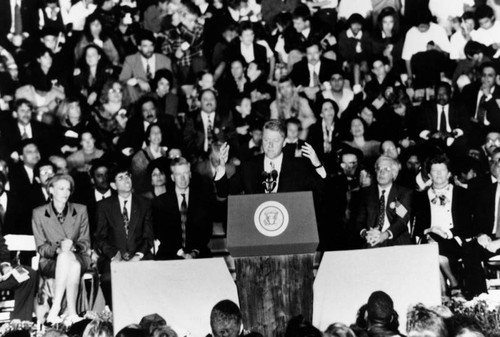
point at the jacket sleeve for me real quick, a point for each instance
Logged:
(44, 246)
(83, 242)
(399, 224)
(102, 233)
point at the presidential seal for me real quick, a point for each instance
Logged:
(271, 218)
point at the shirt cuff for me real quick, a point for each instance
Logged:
(390, 234)
(139, 255)
(362, 233)
(424, 134)
(5, 264)
(458, 132)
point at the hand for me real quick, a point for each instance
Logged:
(144, 85)
(187, 256)
(311, 92)
(308, 152)
(136, 258)
(6, 268)
(179, 53)
(483, 240)
(117, 257)
(242, 130)
(493, 246)
(66, 245)
(92, 98)
(223, 155)
(375, 237)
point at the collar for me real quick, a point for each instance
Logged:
(252, 144)
(276, 161)
(493, 179)
(351, 35)
(106, 194)
(143, 59)
(386, 189)
(3, 199)
(64, 212)
(122, 199)
(207, 114)
(314, 67)
(178, 192)
(441, 107)
(327, 127)
(287, 141)
(306, 32)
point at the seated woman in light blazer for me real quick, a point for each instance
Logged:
(61, 231)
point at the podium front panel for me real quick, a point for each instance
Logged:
(271, 224)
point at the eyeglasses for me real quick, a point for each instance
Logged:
(495, 142)
(115, 91)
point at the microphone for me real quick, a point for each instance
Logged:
(269, 180)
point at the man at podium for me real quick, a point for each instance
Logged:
(272, 171)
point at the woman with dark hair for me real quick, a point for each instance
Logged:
(158, 170)
(387, 38)
(140, 161)
(93, 34)
(323, 135)
(370, 148)
(90, 75)
(112, 113)
(61, 231)
(169, 103)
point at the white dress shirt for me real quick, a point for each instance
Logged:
(4, 201)
(313, 69)
(207, 118)
(179, 194)
(247, 52)
(25, 128)
(497, 198)
(30, 173)
(479, 96)
(152, 64)
(446, 113)
(99, 196)
(441, 215)
(128, 206)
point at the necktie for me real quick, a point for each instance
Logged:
(442, 122)
(24, 135)
(184, 210)
(315, 78)
(126, 219)
(148, 71)
(210, 132)
(381, 211)
(18, 22)
(481, 111)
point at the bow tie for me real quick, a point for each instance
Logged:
(443, 200)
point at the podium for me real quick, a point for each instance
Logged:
(272, 238)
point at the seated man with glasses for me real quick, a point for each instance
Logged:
(384, 209)
(124, 227)
(484, 234)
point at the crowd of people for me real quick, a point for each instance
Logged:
(125, 125)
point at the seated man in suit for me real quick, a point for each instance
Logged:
(183, 216)
(443, 120)
(24, 126)
(312, 71)
(385, 208)
(481, 100)
(124, 227)
(485, 229)
(140, 68)
(206, 126)
(22, 176)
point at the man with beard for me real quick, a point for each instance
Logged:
(140, 68)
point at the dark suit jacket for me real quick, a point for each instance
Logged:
(315, 138)
(29, 16)
(296, 175)
(297, 41)
(49, 232)
(468, 99)
(41, 135)
(110, 236)
(19, 181)
(483, 203)
(194, 132)
(167, 220)
(301, 76)
(460, 212)
(368, 212)
(428, 118)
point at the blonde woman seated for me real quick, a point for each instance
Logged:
(61, 231)
(289, 104)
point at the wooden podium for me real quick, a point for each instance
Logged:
(273, 238)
